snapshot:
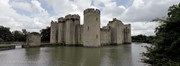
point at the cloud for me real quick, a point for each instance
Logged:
(9, 17)
(22, 6)
(147, 10)
(146, 28)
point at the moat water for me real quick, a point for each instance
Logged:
(122, 55)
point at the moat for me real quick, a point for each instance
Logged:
(122, 55)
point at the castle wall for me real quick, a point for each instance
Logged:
(120, 33)
(105, 36)
(76, 20)
(127, 33)
(73, 32)
(113, 32)
(68, 36)
(80, 36)
(54, 32)
(61, 31)
(116, 30)
(91, 28)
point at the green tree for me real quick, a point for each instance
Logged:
(139, 38)
(18, 36)
(45, 34)
(165, 50)
(5, 34)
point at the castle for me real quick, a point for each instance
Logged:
(68, 30)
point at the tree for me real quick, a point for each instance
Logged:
(5, 34)
(165, 50)
(142, 38)
(45, 34)
(18, 36)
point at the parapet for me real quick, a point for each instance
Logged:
(91, 10)
(53, 22)
(60, 20)
(72, 17)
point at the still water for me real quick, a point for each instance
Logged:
(122, 55)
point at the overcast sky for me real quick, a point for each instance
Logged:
(34, 15)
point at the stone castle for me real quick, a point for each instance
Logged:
(68, 30)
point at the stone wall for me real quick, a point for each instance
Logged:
(113, 31)
(120, 29)
(54, 32)
(61, 30)
(117, 31)
(105, 36)
(127, 34)
(80, 36)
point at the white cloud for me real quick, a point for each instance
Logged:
(22, 5)
(146, 28)
(10, 18)
(147, 10)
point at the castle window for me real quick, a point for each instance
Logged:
(96, 19)
(96, 36)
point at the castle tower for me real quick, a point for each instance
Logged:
(61, 30)
(91, 28)
(68, 26)
(76, 24)
(54, 32)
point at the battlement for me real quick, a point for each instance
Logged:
(53, 22)
(72, 16)
(115, 19)
(60, 20)
(91, 10)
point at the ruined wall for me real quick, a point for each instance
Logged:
(105, 36)
(91, 28)
(54, 32)
(33, 39)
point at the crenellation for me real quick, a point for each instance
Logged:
(60, 20)
(91, 10)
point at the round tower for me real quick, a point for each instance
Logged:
(91, 28)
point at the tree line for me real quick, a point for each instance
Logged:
(20, 36)
(142, 38)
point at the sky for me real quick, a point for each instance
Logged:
(34, 15)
